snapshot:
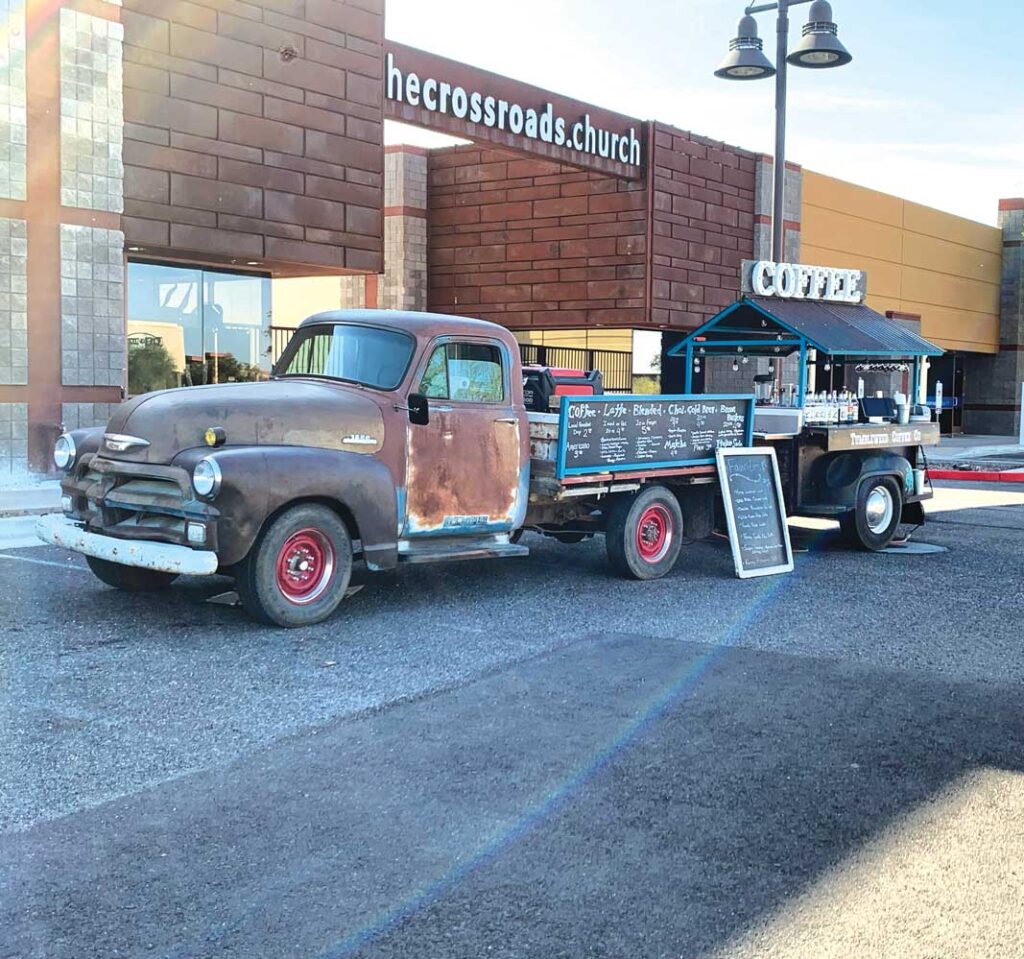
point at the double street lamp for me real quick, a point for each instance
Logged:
(818, 49)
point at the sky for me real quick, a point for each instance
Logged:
(931, 108)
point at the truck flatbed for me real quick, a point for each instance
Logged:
(546, 484)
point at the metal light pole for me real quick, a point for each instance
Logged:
(818, 49)
(779, 191)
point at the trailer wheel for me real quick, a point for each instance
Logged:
(132, 579)
(644, 533)
(874, 521)
(297, 572)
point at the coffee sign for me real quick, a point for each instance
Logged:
(795, 281)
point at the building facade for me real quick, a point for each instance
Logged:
(161, 163)
(182, 183)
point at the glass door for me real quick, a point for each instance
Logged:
(189, 327)
(948, 370)
(236, 316)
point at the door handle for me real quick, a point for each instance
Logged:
(507, 419)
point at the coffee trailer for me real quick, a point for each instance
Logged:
(810, 346)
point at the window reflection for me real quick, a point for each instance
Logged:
(360, 354)
(188, 327)
(466, 372)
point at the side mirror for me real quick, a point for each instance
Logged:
(419, 409)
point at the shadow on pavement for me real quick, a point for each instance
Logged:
(620, 797)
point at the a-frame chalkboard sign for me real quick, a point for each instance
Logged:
(755, 511)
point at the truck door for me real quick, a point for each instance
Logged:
(466, 471)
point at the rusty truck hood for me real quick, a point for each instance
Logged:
(288, 412)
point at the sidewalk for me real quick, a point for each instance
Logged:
(992, 450)
(29, 498)
(989, 459)
(21, 500)
(18, 532)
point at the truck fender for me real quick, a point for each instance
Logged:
(87, 441)
(838, 478)
(259, 481)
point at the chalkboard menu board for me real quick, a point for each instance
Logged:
(610, 434)
(755, 511)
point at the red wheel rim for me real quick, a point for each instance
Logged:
(654, 534)
(305, 566)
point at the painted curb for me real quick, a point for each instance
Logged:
(1007, 476)
(22, 511)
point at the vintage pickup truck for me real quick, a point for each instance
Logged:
(398, 437)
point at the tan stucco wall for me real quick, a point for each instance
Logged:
(621, 340)
(941, 267)
(292, 300)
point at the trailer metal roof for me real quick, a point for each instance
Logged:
(831, 328)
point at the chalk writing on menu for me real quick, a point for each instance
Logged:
(757, 513)
(628, 432)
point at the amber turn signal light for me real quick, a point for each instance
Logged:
(215, 436)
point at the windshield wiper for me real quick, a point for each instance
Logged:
(323, 376)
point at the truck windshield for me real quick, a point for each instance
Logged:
(357, 354)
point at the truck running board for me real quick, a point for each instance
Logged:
(427, 551)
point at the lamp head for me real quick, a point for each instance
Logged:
(819, 48)
(745, 59)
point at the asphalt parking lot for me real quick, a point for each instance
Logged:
(527, 758)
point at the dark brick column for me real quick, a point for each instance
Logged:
(673, 368)
(764, 214)
(993, 383)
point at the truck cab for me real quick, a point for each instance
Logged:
(397, 436)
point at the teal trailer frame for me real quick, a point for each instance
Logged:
(777, 338)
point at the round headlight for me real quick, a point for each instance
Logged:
(206, 478)
(64, 452)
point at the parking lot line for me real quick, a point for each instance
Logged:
(44, 562)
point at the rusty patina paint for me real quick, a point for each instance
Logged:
(287, 412)
(468, 468)
(463, 467)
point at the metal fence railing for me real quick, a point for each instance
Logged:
(279, 337)
(616, 366)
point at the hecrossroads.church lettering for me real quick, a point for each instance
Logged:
(794, 281)
(440, 97)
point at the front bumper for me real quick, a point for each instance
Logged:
(165, 557)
